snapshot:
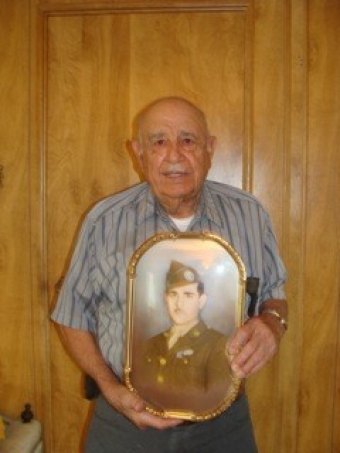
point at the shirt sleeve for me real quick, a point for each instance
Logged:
(273, 267)
(73, 307)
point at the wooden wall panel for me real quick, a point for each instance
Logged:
(86, 159)
(269, 184)
(321, 302)
(16, 327)
(293, 240)
(210, 49)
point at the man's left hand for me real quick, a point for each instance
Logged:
(254, 344)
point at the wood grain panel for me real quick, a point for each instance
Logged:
(86, 159)
(294, 219)
(321, 304)
(269, 180)
(268, 114)
(16, 359)
(202, 57)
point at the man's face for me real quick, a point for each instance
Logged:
(174, 150)
(184, 303)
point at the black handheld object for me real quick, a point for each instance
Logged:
(252, 287)
(91, 388)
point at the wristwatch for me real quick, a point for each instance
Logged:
(277, 315)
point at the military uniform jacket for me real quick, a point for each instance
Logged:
(197, 364)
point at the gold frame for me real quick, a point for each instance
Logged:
(233, 389)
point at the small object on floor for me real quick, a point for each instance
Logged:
(21, 436)
(27, 414)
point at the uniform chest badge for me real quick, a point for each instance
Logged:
(184, 354)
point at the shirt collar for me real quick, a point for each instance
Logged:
(207, 207)
(148, 206)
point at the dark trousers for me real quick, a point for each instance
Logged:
(231, 432)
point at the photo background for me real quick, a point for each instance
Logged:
(217, 269)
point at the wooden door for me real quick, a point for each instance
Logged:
(101, 70)
(266, 72)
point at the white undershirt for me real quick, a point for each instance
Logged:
(182, 224)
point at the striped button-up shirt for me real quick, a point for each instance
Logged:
(93, 295)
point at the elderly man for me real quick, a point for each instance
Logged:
(186, 367)
(174, 149)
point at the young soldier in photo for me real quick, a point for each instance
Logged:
(185, 367)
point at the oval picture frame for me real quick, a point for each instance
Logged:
(176, 355)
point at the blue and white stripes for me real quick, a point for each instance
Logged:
(93, 295)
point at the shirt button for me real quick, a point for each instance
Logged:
(162, 361)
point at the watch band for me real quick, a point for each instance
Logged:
(277, 315)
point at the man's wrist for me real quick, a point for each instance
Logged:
(275, 314)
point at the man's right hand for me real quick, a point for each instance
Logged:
(133, 407)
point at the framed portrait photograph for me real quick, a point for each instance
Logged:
(185, 296)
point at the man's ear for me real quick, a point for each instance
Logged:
(211, 145)
(202, 300)
(137, 150)
(136, 155)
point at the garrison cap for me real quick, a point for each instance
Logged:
(180, 274)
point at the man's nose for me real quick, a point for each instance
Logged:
(174, 152)
(178, 301)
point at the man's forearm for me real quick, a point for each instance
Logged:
(84, 350)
